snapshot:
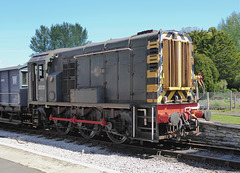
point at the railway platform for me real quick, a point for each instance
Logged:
(16, 160)
(7, 166)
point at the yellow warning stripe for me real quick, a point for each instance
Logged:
(181, 94)
(159, 100)
(189, 93)
(177, 88)
(152, 88)
(152, 73)
(153, 58)
(170, 95)
(151, 100)
(161, 96)
(152, 44)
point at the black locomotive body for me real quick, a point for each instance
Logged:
(135, 88)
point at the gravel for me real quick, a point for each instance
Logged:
(98, 157)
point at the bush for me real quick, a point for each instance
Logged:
(221, 86)
(237, 82)
(234, 90)
(204, 65)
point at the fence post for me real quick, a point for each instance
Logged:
(208, 100)
(235, 99)
(230, 100)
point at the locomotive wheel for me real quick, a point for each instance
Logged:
(116, 138)
(85, 132)
(88, 131)
(63, 127)
(117, 135)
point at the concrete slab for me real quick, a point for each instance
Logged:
(42, 163)
(7, 166)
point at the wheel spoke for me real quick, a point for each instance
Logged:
(116, 138)
(63, 128)
(86, 133)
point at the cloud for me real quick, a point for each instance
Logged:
(3, 65)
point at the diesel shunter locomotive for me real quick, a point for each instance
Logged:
(137, 88)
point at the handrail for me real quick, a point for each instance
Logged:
(152, 122)
(97, 53)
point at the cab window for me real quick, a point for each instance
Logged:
(40, 71)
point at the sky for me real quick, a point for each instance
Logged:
(103, 19)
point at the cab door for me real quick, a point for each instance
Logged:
(33, 84)
(41, 83)
(38, 82)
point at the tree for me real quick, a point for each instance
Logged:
(237, 82)
(204, 65)
(40, 42)
(218, 46)
(200, 40)
(58, 36)
(231, 26)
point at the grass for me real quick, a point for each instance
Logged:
(219, 103)
(237, 110)
(226, 119)
(222, 103)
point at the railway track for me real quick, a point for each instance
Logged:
(176, 149)
(206, 146)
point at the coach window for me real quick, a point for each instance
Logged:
(40, 71)
(24, 79)
(14, 80)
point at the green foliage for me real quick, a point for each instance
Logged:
(218, 46)
(231, 26)
(58, 36)
(234, 90)
(204, 65)
(200, 40)
(237, 81)
(221, 86)
(40, 42)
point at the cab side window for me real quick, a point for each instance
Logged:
(40, 71)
